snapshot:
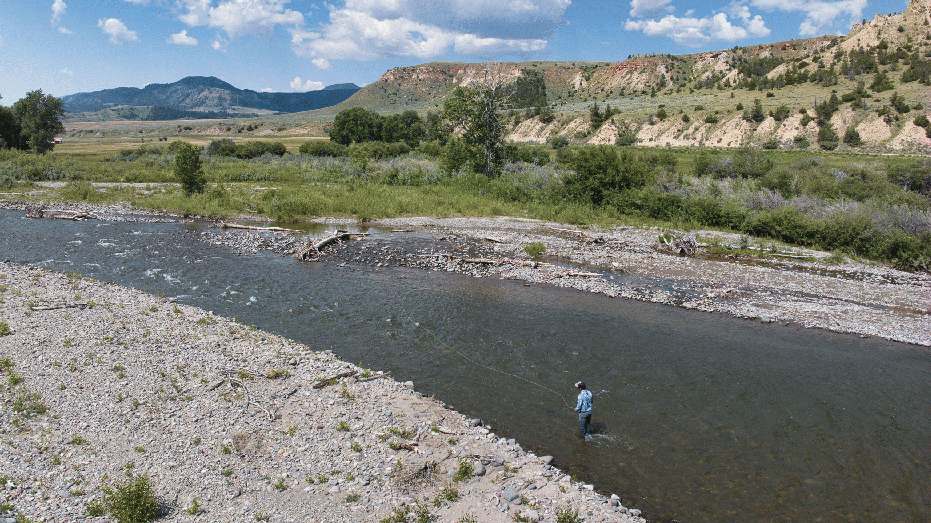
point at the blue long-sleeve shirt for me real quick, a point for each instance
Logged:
(585, 402)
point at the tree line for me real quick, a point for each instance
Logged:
(32, 122)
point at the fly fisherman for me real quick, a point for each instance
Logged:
(584, 408)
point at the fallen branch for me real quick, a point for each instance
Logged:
(227, 225)
(55, 307)
(326, 382)
(481, 261)
(372, 378)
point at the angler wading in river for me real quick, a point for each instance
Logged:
(584, 408)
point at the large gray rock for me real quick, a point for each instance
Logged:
(478, 469)
(509, 494)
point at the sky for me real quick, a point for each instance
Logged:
(69, 46)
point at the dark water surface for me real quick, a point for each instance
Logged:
(706, 417)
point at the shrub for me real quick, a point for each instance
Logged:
(922, 121)
(559, 141)
(322, 148)
(132, 502)
(712, 118)
(221, 147)
(535, 249)
(188, 169)
(771, 144)
(781, 113)
(852, 137)
(801, 142)
(5, 329)
(827, 138)
(625, 135)
(602, 170)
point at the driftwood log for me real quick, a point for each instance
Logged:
(333, 380)
(311, 248)
(56, 307)
(37, 211)
(228, 225)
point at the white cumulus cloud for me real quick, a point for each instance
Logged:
(820, 16)
(58, 10)
(641, 8)
(267, 90)
(306, 86)
(239, 17)
(182, 39)
(370, 29)
(66, 71)
(117, 30)
(321, 63)
(693, 31)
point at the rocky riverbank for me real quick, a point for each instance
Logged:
(230, 423)
(791, 285)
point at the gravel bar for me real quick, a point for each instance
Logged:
(102, 382)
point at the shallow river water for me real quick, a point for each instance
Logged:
(701, 417)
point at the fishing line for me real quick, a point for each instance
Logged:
(482, 365)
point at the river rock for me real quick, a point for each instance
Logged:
(509, 494)
(478, 469)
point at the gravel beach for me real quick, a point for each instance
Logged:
(230, 423)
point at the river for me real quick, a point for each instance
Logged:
(701, 417)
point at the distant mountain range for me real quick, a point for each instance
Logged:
(204, 96)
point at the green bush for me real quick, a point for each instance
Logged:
(801, 141)
(771, 144)
(432, 149)
(558, 142)
(827, 138)
(5, 329)
(922, 121)
(852, 137)
(535, 249)
(132, 502)
(221, 147)
(322, 148)
(188, 169)
(603, 170)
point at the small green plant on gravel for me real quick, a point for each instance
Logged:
(261, 517)
(401, 433)
(399, 516)
(356, 447)
(343, 426)
(567, 515)
(5, 329)
(195, 508)
(345, 394)
(365, 373)
(227, 473)
(352, 498)
(535, 249)
(6, 364)
(423, 513)
(322, 478)
(95, 509)
(464, 471)
(138, 448)
(292, 430)
(448, 494)
(5, 507)
(133, 501)
(468, 518)
(77, 439)
(275, 374)
(280, 485)
(15, 378)
(224, 449)
(23, 519)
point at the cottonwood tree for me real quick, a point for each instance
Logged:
(39, 117)
(475, 114)
(188, 169)
(9, 128)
